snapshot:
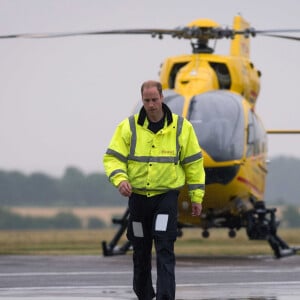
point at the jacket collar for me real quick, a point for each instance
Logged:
(167, 112)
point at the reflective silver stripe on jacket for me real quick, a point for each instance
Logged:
(196, 186)
(159, 159)
(158, 190)
(116, 172)
(192, 158)
(133, 136)
(119, 156)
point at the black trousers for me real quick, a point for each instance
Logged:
(153, 219)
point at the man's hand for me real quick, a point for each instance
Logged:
(125, 188)
(196, 209)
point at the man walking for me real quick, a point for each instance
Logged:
(149, 159)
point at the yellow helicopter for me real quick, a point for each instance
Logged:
(218, 94)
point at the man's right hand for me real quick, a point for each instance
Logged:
(125, 188)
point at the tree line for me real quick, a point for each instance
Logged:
(74, 188)
(62, 220)
(65, 220)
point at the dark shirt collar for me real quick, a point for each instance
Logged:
(167, 112)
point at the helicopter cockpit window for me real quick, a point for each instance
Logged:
(175, 69)
(250, 134)
(223, 75)
(257, 138)
(218, 120)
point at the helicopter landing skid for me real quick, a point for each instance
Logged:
(112, 247)
(281, 248)
(262, 225)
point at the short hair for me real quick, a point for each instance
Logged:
(152, 83)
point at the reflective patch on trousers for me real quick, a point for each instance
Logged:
(161, 222)
(137, 229)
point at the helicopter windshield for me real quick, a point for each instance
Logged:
(218, 120)
(174, 101)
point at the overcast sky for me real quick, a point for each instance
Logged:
(61, 99)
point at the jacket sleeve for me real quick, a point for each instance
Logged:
(192, 163)
(115, 158)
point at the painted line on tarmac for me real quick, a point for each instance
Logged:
(203, 271)
(62, 273)
(187, 291)
(209, 284)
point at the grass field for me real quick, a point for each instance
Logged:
(84, 213)
(88, 242)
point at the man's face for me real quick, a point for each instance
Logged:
(152, 101)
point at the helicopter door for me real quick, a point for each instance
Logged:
(218, 119)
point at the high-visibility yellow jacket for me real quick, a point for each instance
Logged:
(155, 163)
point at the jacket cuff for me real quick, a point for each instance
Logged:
(116, 180)
(197, 196)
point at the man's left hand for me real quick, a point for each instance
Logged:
(196, 209)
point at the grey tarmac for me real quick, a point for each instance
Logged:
(197, 277)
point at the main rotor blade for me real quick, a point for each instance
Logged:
(295, 38)
(179, 32)
(277, 30)
(104, 32)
